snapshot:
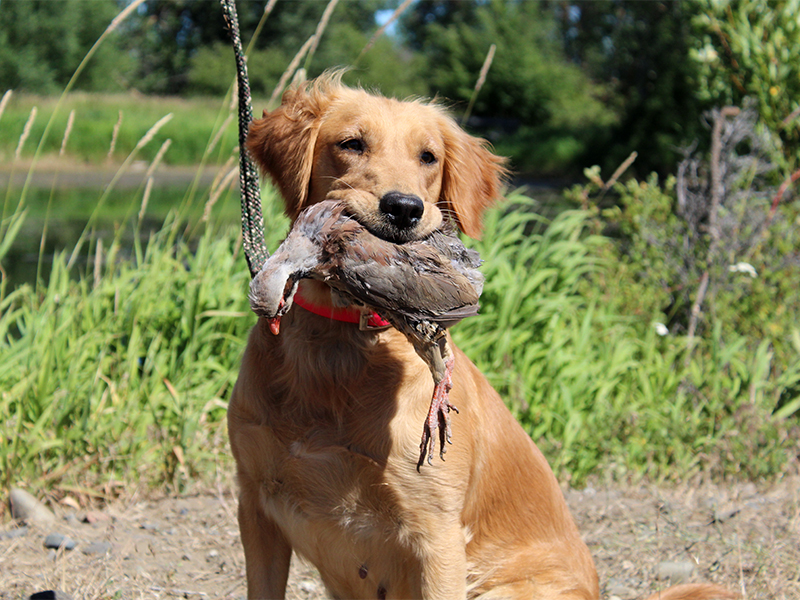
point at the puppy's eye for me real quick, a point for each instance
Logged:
(352, 144)
(427, 158)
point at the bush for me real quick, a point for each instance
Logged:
(749, 49)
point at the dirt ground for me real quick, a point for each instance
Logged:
(741, 535)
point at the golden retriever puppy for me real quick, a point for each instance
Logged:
(325, 418)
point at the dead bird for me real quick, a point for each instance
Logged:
(420, 287)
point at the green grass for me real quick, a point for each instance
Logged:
(122, 370)
(600, 391)
(117, 360)
(194, 122)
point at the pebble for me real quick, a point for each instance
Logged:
(621, 591)
(13, 533)
(51, 595)
(720, 516)
(149, 526)
(26, 507)
(675, 572)
(94, 516)
(97, 548)
(57, 540)
(309, 587)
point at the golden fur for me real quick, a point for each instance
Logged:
(325, 420)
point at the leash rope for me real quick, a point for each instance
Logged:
(255, 248)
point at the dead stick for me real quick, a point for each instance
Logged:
(698, 303)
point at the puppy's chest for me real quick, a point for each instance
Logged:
(339, 510)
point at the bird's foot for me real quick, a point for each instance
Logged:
(438, 418)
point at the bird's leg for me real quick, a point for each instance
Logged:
(439, 412)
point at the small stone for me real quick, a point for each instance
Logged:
(186, 557)
(17, 532)
(149, 526)
(627, 565)
(97, 548)
(51, 595)
(57, 540)
(621, 591)
(726, 514)
(308, 587)
(675, 572)
(212, 554)
(26, 507)
(94, 516)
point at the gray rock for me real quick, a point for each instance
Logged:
(13, 533)
(675, 572)
(25, 507)
(616, 588)
(58, 540)
(97, 548)
(51, 595)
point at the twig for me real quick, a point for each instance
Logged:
(781, 191)
(698, 303)
(487, 63)
(4, 102)
(382, 29)
(323, 23)
(716, 175)
(287, 74)
(616, 175)
(620, 170)
(114, 135)
(791, 117)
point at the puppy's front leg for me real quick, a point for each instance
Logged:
(444, 564)
(267, 552)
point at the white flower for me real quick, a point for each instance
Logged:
(707, 54)
(743, 267)
(661, 329)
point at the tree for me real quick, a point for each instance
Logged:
(171, 34)
(642, 51)
(42, 43)
(749, 51)
(549, 103)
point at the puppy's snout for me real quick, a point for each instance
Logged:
(403, 211)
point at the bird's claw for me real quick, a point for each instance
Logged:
(438, 418)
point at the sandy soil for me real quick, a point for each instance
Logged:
(741, 535)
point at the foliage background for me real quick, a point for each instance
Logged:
(646, 327)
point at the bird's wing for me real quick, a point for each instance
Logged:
(415, 281)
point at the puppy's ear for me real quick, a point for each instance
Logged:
(472, 179)
(282, 143)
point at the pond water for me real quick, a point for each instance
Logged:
(60, 204)
(74, 195)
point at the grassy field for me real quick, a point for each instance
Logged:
(192, 127)
(117, 357)
(154, 331)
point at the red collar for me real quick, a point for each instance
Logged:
(345, 315)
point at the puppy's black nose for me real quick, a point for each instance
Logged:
(402, 210)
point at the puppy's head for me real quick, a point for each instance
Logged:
(396, 166)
